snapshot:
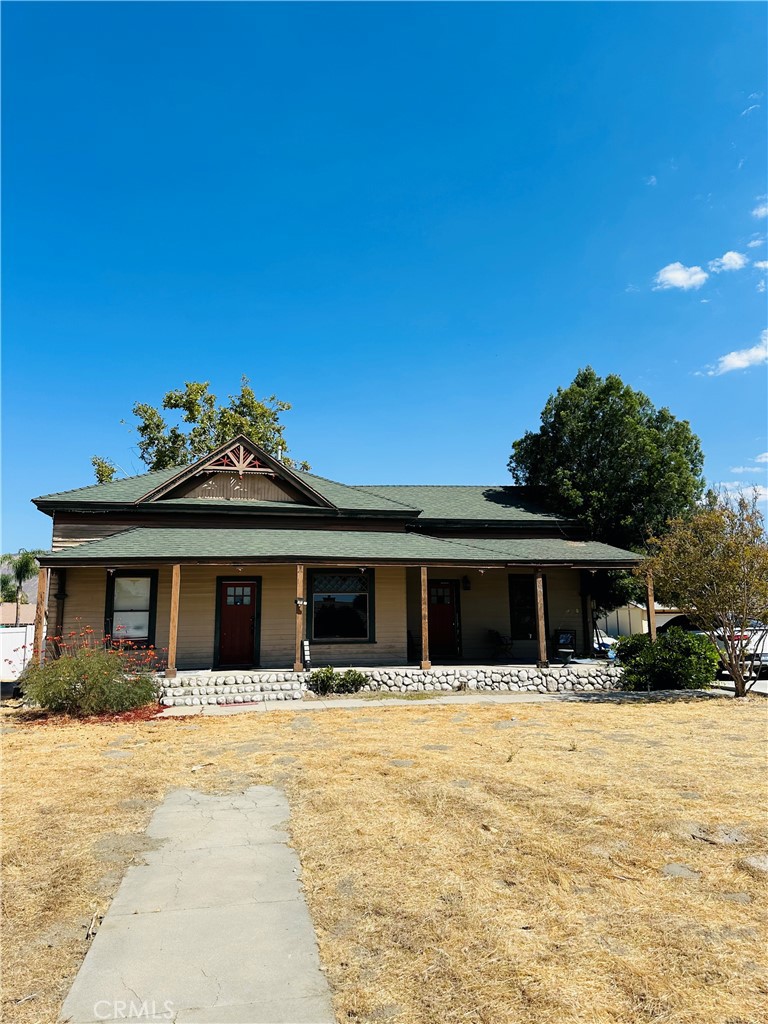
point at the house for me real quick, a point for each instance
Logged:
(236, 560)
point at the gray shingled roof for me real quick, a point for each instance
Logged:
(188, 544)
(462, 501)
(490, 503)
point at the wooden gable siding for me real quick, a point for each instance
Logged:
(229, 486)
(86, 593)
(71, 528)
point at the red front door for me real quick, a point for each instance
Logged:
(443, 619)
(239, 613)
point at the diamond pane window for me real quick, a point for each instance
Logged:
(340, 606)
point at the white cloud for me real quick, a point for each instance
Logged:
(743, 358)
(676, 275)
(761, 210)
(652, 180)
(753, 244)
(728, 261)
(760, 286)
(762, 457)
(761, 264)
(747, 469)
(754, 106)
(737, 486)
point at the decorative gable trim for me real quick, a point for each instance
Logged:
(241, 456)
(238, 459)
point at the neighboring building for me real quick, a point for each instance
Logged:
(235, 560)
(26, 609)
(633, 618)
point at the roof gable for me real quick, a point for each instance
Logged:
(239, 458)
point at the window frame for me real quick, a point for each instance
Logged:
(109, 604)
(370, 574)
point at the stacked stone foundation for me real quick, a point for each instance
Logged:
(257, 687)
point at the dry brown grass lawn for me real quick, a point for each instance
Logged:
(511, 872)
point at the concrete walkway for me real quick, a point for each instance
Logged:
(213, 929)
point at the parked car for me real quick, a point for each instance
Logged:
(603, 644)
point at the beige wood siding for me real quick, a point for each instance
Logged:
(391, 629)
(484, 606)
(86, 595)
(565, 607)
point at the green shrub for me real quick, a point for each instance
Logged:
(327, 680)
(91, 680)
(676, 660)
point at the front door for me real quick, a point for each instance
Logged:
(444, 633)
(239, 614)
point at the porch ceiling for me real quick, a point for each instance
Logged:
(153, 544)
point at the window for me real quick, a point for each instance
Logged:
(131, 606)
(341, 606)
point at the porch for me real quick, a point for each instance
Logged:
(244, 600)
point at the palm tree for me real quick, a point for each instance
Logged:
(23, 566)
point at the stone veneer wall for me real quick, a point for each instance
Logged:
(248, 687)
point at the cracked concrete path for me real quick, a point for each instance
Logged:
(213, 928)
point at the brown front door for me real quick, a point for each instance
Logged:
(239, 615)
(444, 632)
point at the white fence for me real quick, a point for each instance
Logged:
(15, 650)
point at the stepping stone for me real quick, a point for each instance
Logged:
(680, 871)
(119, 740)
(757, 865)
(689, 795)
(505, 725)
(436, 746)
(401, 764)
(736, 897)
(288, 759)
(116, 753)
(461, 783)
(717, 835)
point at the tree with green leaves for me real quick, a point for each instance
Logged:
(204, 426)
(604, 454)
(713, 566)
(23, 567)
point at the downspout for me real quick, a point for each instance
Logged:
(61, 597)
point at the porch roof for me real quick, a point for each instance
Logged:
(148, 544)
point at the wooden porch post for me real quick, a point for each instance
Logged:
(586, 613)
(425, 662)
(42, 594)
(173, 628)
(298, 662)
(651, 603)
(541, 621)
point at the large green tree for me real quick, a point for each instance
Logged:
(713, 566)
(204, 425)
(606, 455)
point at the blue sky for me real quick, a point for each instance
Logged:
(412, 221)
